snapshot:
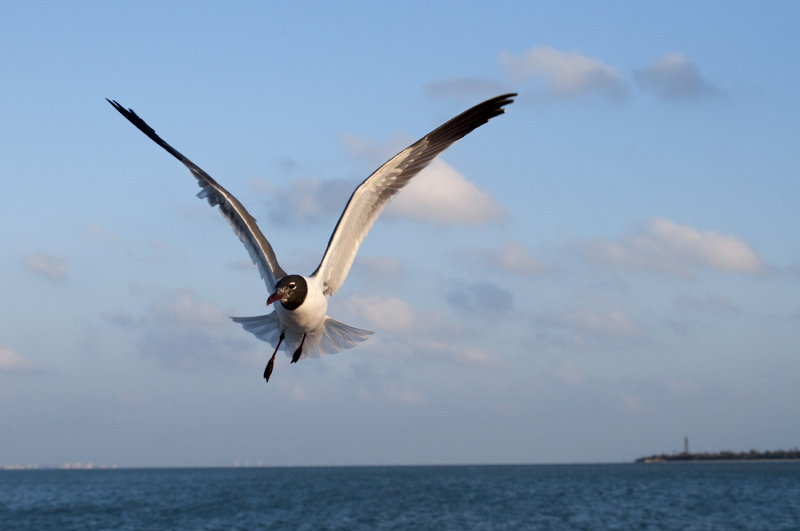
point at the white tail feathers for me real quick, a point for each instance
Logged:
(328, 338)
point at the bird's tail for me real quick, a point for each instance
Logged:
(328, 338)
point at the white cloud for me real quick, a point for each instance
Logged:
(674, 77)
(565, 74)
(10, 361)
(394, 315)
(46, 265)
(404, 329)
(441, 195)
(663, 246)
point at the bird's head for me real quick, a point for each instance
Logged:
(291, 291)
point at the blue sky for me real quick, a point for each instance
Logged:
(619, 268)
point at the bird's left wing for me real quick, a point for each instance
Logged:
(244, 225)
(372, 195)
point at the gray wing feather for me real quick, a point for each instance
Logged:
(244, 225)
(371, 196)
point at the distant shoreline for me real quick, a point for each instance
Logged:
(752, 456)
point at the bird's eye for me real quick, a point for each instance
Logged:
(292, 285)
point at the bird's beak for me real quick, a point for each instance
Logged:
(274, 297)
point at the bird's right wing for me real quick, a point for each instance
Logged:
(244, 225)
(371, 196)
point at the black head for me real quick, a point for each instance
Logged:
(291, 290)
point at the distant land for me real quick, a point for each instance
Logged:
(725, 455)
(65, 466)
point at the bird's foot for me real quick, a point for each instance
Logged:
(299, 350)
(268, 369)
(271, 362)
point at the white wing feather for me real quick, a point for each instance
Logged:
(244, 225)
(374, 193)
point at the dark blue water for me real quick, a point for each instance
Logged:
(631, 496)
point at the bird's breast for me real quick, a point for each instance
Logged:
(309, 315)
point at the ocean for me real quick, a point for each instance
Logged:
(608, 496)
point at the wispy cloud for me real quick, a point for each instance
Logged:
(662, 246)
(480, 297)
(590, 323)
(511, 257)
(46, 265)
(565, 75)
(381, 313)
(713, 303)
(460, 353)
(692, 311)
(515, 258)
(404, 329)
(305, 200)
(151, 252)
(606, 322)
(181, 330)
(674, 77)
(11, 361)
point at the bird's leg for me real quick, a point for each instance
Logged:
(299, 350)
(271, 362)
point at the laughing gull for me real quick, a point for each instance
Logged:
(299, 323)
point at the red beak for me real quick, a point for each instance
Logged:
(274, 297)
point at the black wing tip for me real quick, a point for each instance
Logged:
(471, 119)
(131, 116)
(127, 113)
(140, 124)
(498, 102)
(505, 99)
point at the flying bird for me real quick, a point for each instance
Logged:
(299, 322)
